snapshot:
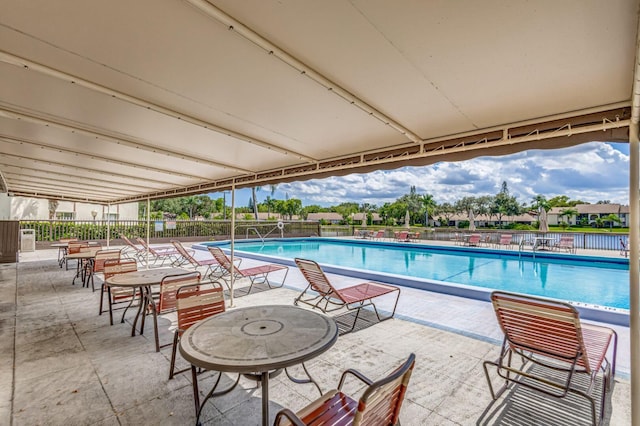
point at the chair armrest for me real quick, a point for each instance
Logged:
(356, 374)
(290, 415)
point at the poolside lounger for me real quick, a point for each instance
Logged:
(505, 240)
(256, 274)
(133, 251)
(162, 253)
(566, 243)
(554, 347)
(353, 298)
(213, 267)
(402, 236)
(473, 240)
(379, 404)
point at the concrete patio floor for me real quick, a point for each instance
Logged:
(64, 364)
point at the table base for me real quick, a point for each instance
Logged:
(263, 381)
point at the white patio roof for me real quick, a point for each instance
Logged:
(117, 101)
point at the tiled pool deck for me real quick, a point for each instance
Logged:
(64, 364)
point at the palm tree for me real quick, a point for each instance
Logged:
(611, 218)
(254, 191)
(568, 213)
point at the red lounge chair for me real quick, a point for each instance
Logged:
(473, 241)
(554, 347)
(213, 268)
(505, 240)
(162, 253)
(379, 404)
(402, 236)
(257, 274)
(353, 298)
(566, 243)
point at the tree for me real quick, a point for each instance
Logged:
(254, 195)
(53, 206)
(568, 213)
(611, 218)
(429, 206)
(504, 204)
(445, 210)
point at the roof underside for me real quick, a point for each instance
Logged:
(117, 101)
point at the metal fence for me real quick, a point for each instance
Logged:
(54, 230)
(161, 230)
(582, 240)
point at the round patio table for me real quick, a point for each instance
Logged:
(85, 264)
(143, 279)
(257, 340)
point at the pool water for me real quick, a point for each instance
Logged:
(593, 281)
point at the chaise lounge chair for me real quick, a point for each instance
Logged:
(554, 347)
(566, 243)
(256, 274)
(163, 253)
(213, 269)
(353, 298)
(624, 249)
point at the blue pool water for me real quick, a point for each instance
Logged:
(589, 280)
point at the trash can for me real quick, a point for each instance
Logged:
(27, 240)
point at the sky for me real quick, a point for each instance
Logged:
(589, 172)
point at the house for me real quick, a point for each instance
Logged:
(483, 220)
(25, 208)
(375, 218)
(329, 217)
(589, 213)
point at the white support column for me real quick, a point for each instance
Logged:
(148, 227)
(232, 239)
(108, 225)
(634, 270)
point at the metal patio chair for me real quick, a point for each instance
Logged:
(213, 269)
(554, 346)
(329, 298)
(256, 274)
(379, 405)
(117, 295)
(194, 303)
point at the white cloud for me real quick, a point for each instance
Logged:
(589, 172)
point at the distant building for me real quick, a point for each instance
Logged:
(329, 217)
(375, 218)
(24, 208)
(590, 213)
(483, 220)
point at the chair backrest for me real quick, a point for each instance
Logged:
(142, 242)
(566, 241)
(506, 238)
(315, 276)
(403, 235)
(197, 302)
(380, 234)
(129, 243)
(67, 240)
(102, 256)
(222, 259)
(113, 267)
(474, 238)
(169, 287)
(77, 247)
(545, 327)
(381, 402)
(184, 253)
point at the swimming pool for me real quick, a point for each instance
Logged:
(595, 281)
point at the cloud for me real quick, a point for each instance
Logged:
(590, 172)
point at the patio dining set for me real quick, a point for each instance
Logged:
(552, 345)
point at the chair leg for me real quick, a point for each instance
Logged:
(173, 355)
